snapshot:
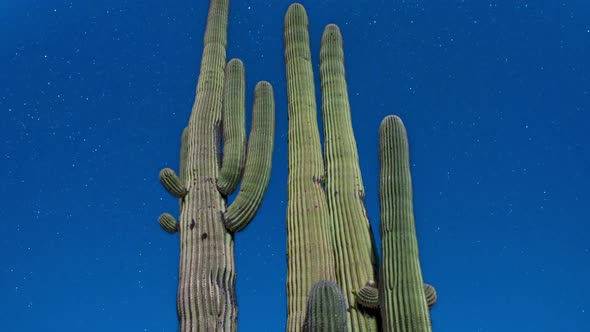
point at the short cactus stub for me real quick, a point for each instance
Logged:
(326, 308)
(430, 294)
(168, 223)
(368, 296)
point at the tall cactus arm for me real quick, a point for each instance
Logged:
(309, 250)
(258, 162)
(351, 232)
(402, 299)
(326, 309)
(234, 132)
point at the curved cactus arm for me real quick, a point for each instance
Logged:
(326, 309)
(234, 132)
(172, 183)
(402, 299)
(430, 294)
(368, 296)
(168, 223)
(258, 162)
(355, 254)
(309, 247)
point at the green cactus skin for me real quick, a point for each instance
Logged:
(309, 250)
(258, 162)
(168, 223)
(351, 230)
(368, 296)
(326, 308)
(430, 294)
(234, 127)
(172, 183)
(402, 300)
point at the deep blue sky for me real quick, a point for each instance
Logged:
(495, 96)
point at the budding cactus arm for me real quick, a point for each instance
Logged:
(258, 162)
(430, 294)
(168, 223)
(368, 296)
(352, 237)
(402, 299)
(309, 250)
(326, 309)
(234, 132)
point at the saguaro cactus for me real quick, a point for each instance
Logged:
(206, 287)
(329, 235)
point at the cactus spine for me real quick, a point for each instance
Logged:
(206, 285)
(402, 299)
(310, 255)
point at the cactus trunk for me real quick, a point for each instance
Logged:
(402, 299)
(351, 231)
(206, 292)
(310, 255)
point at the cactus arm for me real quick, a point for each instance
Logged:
(326, 308)
(234, 132)
(168, 223)
(352, 236)
(430, 294)
(368, 296)
(258, 162)
(310, 255)
(402, 299)
(172, 183)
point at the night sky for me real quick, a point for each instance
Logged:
(495, 96)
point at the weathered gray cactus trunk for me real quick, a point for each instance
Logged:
(206, 296)
(206, 281)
